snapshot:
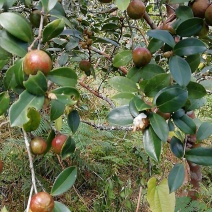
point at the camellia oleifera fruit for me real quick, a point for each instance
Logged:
(105, 1)
(35, 17)
(37, 60)
(208, 15)
(136, 9)
(1, 166)
(38, 146)
(85, 66)
(199, 7)
(58, 142)
(141, 56)
(42, 202)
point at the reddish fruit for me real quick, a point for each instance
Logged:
(105, 1)
(85, 65)
(141, 56)
(199, 7)
(34, 18)
(57, 143)
(37, 60)
(208, 15)
(136, 9)
(169, 28)
(38, 146)
(42, 202)
(1, 166)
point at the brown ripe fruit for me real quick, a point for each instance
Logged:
(105, 1)
(141, 56)
(1, 166)
(38, 146)
(42, 202)
(37, 60)
(85, 65)
(208, 15)
(136, 9)
(199, 7)
(57, 143)
(34, 18)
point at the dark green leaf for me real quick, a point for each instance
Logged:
(177, 147)
(189, 46)
(159, 126)
(183, 12)
(152, 144)
(140, 104)
(185, 124)
(122, 58)
(155, 45)
(204, 131)
(64, 181)
(4, 102)
(109, 26)
(73, 120)
(63, 76)
(176, 177)
(16, 25)
(60, 207)
(57, 109)
(53, 29)
(195, 90)
(123, 98)
(120, 116)
(200, 155)
(162, 35)
(36, 84)
(49, 140)
(48, 4)
(193, 61)
(190, 27)
(171, 99)
(68, 148)
(193, 104)
(123, 84)
(180, 70)
(133, 110)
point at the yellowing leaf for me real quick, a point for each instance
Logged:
(158, 196)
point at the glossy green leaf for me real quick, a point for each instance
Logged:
(183, 12)
(64, 181)
(171, 99)
(63, 76)
(122, 5)
(180, 70)
(68, 148)
(162, 35)
(177, 147)
(133, 110)
(34, 120)
(122, 58)
(193, 61)
(120, 116)
(159, 126)
(140, 104)
(73, 120)
(53, 29)
(123, 98)
(155, 45)
(158, 196)
(200, 155)
(13, 45)
(123, 84)
(152, 144)
(186, 124)
(190, 27)
(18, 111)
(134, 74)
(60, 207)
(193, 104)
(151, 70)
(178, 114)
(66, 95)
(57, 109)
(176, 177)
(195, 90)
(17, 25)
(49, 139)
(189, 46)
(48, 4)
(152, 87)
(4, 102)
(14, 76)
(204, 131)
(110, 26)
(58, 123)
(36, 84)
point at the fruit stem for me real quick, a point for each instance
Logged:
(30, 161)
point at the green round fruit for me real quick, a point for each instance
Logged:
(37, 60)
(58, 142)
(136, 9)
(208, 15)
(199, 7)
(38, 146)
(42, 202)
(35, 17)
(141, 56)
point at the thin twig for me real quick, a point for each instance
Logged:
(29, 200)
(3, 123)
(139, 198)
(30, 160)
